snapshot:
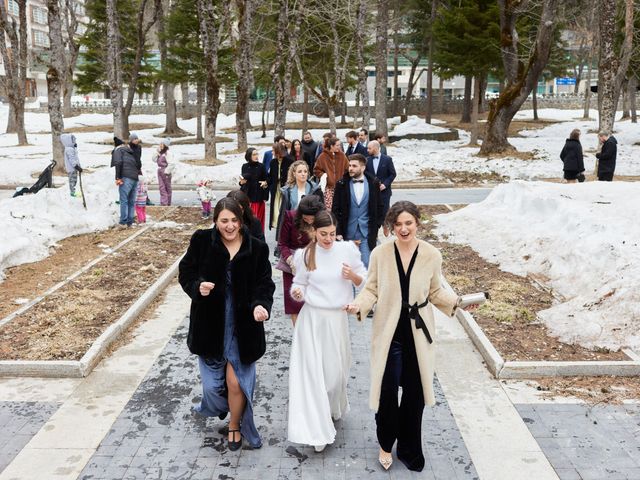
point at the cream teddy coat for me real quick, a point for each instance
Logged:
(383, 288)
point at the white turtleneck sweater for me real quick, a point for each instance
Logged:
(325, 287)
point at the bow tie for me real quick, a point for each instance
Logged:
(358, 181)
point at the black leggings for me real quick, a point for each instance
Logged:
(402, 422)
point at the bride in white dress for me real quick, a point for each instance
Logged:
(326, 272)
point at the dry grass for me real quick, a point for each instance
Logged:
(201, 162)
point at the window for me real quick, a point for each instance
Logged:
(40, 38)
(13, 8)
(39, 15)
(371, 73)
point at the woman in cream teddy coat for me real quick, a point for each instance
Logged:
(402, 353)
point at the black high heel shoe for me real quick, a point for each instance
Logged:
(233, 445)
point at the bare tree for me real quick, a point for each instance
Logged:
(362, 90)
(212, 18)
(413, 79)
(382, 23)
(429, 110)
(14, 58)
(243, 65)
(612, 66)
(114, 68)
(70, 26)
(520, 77)
(55, 80)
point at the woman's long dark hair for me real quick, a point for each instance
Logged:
(248, 154)
(244, 202)
(309, 205)
(324, 218)
(227, 204)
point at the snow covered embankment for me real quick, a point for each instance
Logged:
(584, 238)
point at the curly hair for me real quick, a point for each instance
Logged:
(291, 178)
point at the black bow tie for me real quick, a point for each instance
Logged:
(358, 181)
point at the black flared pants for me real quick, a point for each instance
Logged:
(402, 421)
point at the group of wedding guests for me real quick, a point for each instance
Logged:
(227, 273)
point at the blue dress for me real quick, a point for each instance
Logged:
(213, 373)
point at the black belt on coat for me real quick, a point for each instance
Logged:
(415, 314)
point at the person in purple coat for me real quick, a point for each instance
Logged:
(296, 233)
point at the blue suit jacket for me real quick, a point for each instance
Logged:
(361, 149)
(266, 159)
(386, 172)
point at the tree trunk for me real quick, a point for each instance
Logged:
(482, 100)
(185, 111)
(633, 88)
(243, 65)
(155, 96)
(535, 102)
(212, 18)
(625, 100)
(381, 67)
(70, 24)
(171, 123)
(441, 95)
(466, 102)
(521, 77)
(363, 92)
(305, 111)
(413, 80)
(55, 76)
(474, 114)
(279, 102)
(587, 93)
(11, 120)
(200, 101)
(114, 68)
(396, 53)
(612, 66)
(264, 111)
(429, 111)
(332, 117)
(343, 102)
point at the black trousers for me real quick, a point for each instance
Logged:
(403, 421)
(605, 177)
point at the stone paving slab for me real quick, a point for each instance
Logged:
(587, 442)
(19, 422)
(157, 436)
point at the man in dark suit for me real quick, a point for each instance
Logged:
(381, 166)
(358, 207)
(354, 145)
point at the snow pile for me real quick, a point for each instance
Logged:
(584, 238)
(416, 124)
(30, 224)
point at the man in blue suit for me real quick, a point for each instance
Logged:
(268, 155)
(381, 166)
(354, 145)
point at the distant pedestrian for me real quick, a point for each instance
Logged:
(333, 163)
(166, 167)
(141, 200)
(71, 160)
(381, 166)
(309, 147)
(277, 177)
(354, 145)
(320, 147)
(363, 137)
(253, 182)
(227, 274)
(607, 156)
(128, 169)
(572, 158)
(206, 196)
(382, 139)
(268, 155)
(296, 150)
(358, 207)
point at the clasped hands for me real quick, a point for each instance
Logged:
(260, 313)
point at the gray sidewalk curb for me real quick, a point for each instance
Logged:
(84, 366)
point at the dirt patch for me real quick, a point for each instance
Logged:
(516, 126)
(66, 323)
(201, 162)
(593, 390)
(470, 179)
(196, 141)
(510, 319)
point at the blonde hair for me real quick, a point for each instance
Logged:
(324, 218)
(291, 179)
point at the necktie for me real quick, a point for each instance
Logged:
(358, 181)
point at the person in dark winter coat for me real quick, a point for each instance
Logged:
(357, 204)
(227, 274)
(309, 148)
(607, 156)
(277, 178)
(253, 182)
(135, 146)
(572, 157)
(354, 145)
(128, 168)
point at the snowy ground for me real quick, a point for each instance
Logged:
(583, 238)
